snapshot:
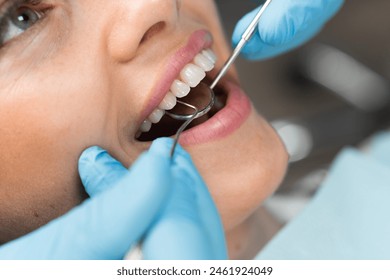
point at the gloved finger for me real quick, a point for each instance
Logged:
(285, 25)
(107, 225)
(208, 212)
(99, 171)
(179, 232)
(284, 19)
(257, 50)
(190, 226)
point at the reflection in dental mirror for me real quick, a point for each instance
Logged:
(201, 97)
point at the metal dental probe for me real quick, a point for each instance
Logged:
(184, 125)
(246, 36)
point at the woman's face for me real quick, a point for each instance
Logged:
(78, 73)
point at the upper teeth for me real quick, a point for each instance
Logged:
(191, 75)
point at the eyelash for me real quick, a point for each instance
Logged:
(10, 7)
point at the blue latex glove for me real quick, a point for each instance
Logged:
(190, 226)
(285, 24)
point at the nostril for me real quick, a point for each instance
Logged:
(152, 31)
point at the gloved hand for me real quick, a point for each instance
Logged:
(123, 206)
(190, 226)
(285, 24)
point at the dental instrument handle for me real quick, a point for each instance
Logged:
(228, 63)
(184, 126)
(244, 39)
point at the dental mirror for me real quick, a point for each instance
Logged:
(185, 109)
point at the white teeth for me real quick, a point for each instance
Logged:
(203, 62)
(180, 89)
(156, 116)
(168, 102)
(192, 75)
(210, 55)
(145, 126)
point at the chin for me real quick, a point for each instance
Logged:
(242, 169)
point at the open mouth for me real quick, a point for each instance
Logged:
(186, 89)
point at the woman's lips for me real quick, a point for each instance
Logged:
(223, 123)
(198, 41)
(236, 111)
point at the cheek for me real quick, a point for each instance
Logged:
(243, 169)
(39, 180)
(42, 133)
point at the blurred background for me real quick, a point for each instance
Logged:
(331, 93)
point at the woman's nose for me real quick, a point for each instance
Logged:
(138, 21)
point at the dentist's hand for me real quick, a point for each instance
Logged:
(122, 207)
(190, 226)
(285, 24)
